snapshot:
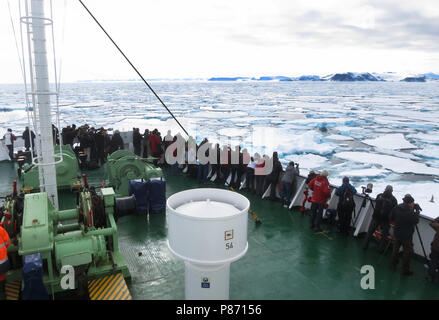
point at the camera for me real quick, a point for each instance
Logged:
(417, 208)
(367, 189)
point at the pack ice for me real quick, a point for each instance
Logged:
(394, 164)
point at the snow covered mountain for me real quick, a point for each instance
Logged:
(352, 76)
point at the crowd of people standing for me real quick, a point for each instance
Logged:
(97, 144)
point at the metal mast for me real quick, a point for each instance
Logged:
(36, 24)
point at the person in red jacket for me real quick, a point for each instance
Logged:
(154, 142)
(321, 194)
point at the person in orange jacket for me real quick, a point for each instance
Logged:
(5, 242)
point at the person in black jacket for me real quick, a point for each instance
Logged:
(27, 136)
(345, 206)
(385, 202)
(434, 255)
(101, 140)
(235, 182)
(137, 141)
(405, 218)
(116, 142)
(273, 177)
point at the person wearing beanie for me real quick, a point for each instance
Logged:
(345, 206)
(384, 204)
(288, 178)
(406, 219)
(321, 194)
(116, 142)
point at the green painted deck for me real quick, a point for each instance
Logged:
(285, 259)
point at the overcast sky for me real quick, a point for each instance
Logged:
(203, 38)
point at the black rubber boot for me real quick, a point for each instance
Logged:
(3, 290)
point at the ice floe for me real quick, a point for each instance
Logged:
(286, 142)
(339, 137)
(370, 172)
(393, 141)
(233, 132)
(425, 137)
(392, 163)
(430, 152)
(308, 160)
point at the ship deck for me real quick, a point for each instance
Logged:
(285, 259)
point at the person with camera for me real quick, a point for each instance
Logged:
(346, 205)
(321, 194)
(291, 171)
(434, 255)
(384, 204)
(406, 217)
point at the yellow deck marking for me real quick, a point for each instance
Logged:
(111, 287)
(12, 290)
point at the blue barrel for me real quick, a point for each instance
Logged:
(157, 195)
(139, 188)
(34, 288)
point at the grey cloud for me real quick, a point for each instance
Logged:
(395, 27)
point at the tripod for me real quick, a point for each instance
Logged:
(363, 205)
(417, 210)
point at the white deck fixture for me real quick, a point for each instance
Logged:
(36, 23)
(207, 228)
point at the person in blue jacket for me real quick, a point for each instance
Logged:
(345, 205)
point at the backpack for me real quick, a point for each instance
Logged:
(386, 207)
(347, 200)
(310, 177)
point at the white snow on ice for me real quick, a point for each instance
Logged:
(232, 132)
(308, 160)
(430, 152)
(394, 141)
(339, 137)
(392, 163)
(370, 172)
(424, 137)
(284, 142)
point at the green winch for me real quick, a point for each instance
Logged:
(66, 171)
(84, 237)
(123, 166)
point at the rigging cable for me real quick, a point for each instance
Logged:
(15, 37)
(135, 69)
